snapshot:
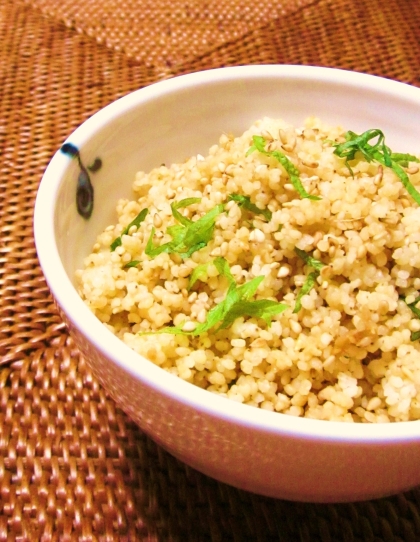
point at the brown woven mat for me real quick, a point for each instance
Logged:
(73, 467)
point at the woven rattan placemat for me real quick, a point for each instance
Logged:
(73, 467)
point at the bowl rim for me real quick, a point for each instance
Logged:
(121, 355)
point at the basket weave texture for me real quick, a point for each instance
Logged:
(73, 467)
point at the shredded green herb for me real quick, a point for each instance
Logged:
(309, 283)
(309, 260)
(379, 152)
(133, 263)
(199, 273)
(136, 222)
(224, 270)
(238, 302)
(415, 335)
(310, 279)
(181, 205)
(291, 169)
(245, 203)
(188, 236)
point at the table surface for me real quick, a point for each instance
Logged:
(73, 467)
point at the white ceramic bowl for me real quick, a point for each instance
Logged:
(265, 452)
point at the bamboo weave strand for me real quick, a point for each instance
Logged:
(72, 464)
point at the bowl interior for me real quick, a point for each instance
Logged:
(178, 118)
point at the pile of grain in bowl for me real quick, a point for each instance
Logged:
(280, 271)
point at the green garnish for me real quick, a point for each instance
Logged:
(404, 159)
(413, 307)
(415, 335)
(245, 202)
(259, 308)
(377, 151)
(136, 222)
(291, 169)
(309, 260)
(224, 270)
(309, 283)
(181, 205)
(188, 236)
(199, 273)
(133, 263)
(237, 303)
(310, 279)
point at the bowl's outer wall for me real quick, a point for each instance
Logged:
(157, 127)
